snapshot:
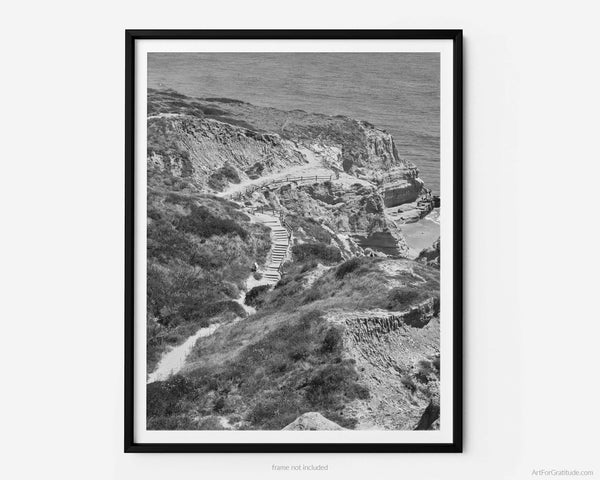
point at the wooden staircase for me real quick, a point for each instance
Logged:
(280, 244)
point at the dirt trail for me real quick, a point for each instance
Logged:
(174, 360)
(312, 167)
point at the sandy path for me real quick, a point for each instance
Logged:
(174, 360)
(312, 167)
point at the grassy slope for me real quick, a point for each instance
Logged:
(200, 252)
(285, 360)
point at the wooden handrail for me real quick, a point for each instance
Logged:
(302, 178)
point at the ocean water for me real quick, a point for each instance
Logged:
(397, 92)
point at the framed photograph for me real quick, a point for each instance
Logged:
(293, 247)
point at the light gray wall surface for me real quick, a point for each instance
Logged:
(531, 198)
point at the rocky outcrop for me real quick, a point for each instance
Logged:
(362, 186)
(382, 154)
(348, 209)
(312, 421)
(431, 255)
(332, 209)
(190, 137)
(402, 191)
(387, 352)
(198, 148)
(413, 211)
(376, 323)
(431, 414)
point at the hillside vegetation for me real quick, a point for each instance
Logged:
(287, 359)
(200, 252)
(346, 333)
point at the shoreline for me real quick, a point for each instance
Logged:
(422, 234)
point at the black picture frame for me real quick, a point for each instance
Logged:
(456, 446)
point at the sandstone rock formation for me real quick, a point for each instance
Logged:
(198, 148)
(381, 322)
(431, 255)
(312, 421)
(430, 415)
(400, 191)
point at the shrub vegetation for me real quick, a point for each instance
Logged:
(200, 251)
(295, 368)
(255, 296)
(317, 251)
(347, 267)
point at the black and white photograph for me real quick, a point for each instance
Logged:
(293, 241)
(338, 240)
(293, 245)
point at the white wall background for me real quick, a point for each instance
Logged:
(532, 165)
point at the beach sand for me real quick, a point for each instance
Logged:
(422, 234)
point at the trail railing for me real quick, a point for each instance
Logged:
(288, 228)
(288, 179)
